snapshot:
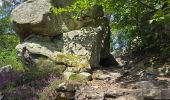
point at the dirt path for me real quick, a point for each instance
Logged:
(136, 79)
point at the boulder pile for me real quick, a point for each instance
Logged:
(78, 44)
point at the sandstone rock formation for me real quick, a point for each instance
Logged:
(79, 44)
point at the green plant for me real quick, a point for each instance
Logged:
(8, 54)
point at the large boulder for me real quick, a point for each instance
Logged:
(34, 17)
(80, 44)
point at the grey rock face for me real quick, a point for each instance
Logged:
(85, 42)
(36, 46)
(34, 17)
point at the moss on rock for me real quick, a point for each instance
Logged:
(79, 62)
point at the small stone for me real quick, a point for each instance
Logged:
(86, 75)
(66, 87)
(115, 76)
(6, 69)
(100, 75)
(95, 87)
(62, 87)
(104, 77)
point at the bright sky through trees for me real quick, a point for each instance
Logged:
(0, 3)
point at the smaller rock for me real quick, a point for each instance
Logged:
(62, 87)
(6, 69)
(115, 76)
(100, 75)
(67, 75)
(86, 75)
(95, 87)
(66, 87)
(103, 77)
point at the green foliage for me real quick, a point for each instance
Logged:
(141, 22)
(163, 13)
(8, 53)
(74, 7)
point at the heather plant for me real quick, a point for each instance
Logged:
(9, 78)
(16, 85)
(28, 91)
(43, 69)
